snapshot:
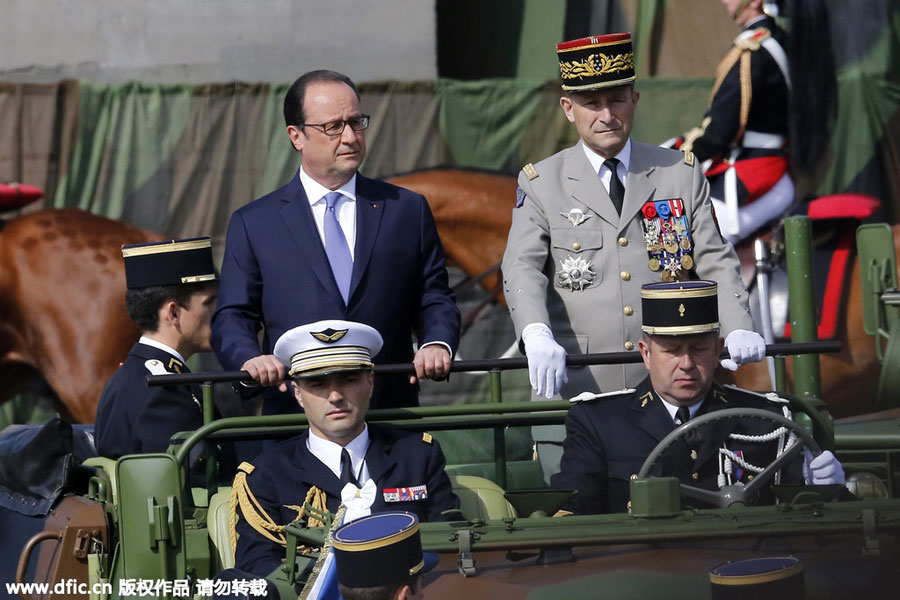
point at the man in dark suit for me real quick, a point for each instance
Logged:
(171, 296)
(608, 436)
(340, 460)
(333, 244)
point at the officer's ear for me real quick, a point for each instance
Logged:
(295, 388)
(567, 105)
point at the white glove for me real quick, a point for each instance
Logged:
(546, 363)
(744, 346)
(822, 470)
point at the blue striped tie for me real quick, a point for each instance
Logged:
(336, 247)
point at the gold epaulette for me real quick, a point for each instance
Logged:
(688, 158)
(753, 42)
(530, 171)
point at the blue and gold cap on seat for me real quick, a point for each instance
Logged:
(327, 347)
(380, 549)
(680, 307)
(173, 262)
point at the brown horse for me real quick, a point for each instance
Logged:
(62, 312)
(473, 211)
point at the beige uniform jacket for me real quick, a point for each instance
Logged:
(605, 316)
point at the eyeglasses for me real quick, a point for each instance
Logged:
(337, 127)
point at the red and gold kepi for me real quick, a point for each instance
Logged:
(596, 62)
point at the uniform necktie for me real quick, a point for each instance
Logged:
(336, 246)
(693, 437)
(616, 189)
(347, 475)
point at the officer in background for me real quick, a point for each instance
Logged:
(171, 296)
(609, 436)
(770, 111)
(594, 222)
(380, 557)
(339, 460)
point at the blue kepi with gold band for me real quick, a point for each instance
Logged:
(680, 307)
(329, 346)
(173, 262)
(596, 62)
(381, 549)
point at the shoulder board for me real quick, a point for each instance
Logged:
(246, 467)
(427, 438)
(753, 41)
(585, 396)
(156, 367)
(530, 171)
(768, 396)
(688, 158)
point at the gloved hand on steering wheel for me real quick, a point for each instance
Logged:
(546, 361)
(824, 469)
(743, 346)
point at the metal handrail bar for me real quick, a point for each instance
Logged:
(496, 364)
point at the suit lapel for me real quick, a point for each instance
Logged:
(298, 217)
(639, 187)
(587, 188)
(369, 209)
(654, 418)
(378, 459)
(313, 472)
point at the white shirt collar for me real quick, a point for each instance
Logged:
(151, 342)
(330, 453)
(315, 191)
(673, 409)
(624, 157)
(752, 22)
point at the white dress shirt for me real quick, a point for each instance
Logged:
(151, 342)
(329, 454)
(624, 158)
(345, 209)
(673, 410)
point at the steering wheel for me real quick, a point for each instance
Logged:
(738, 492)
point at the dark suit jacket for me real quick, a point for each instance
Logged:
(283, 475)
(608, 439)
(276, 274)
(134, 418)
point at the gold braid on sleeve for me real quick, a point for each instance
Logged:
(255, 514)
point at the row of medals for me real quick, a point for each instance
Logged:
(668, 249)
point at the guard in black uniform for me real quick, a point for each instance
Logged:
(769, 113)
(340, 461)
(172, 289)
(608, 436)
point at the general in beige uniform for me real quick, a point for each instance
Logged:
(596, 221)
(575, 265)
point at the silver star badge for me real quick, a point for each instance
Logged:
(576, 216)
(576, 273)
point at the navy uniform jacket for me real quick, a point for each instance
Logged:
(283, 475)
(607, 440)
(134, 418)
(768, 114)
(276, 274)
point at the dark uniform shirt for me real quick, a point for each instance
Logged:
(608, 439)
(282, 476)
(134, 418)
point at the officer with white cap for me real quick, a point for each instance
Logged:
(340, 460)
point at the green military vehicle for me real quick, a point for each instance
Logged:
(137, 526)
